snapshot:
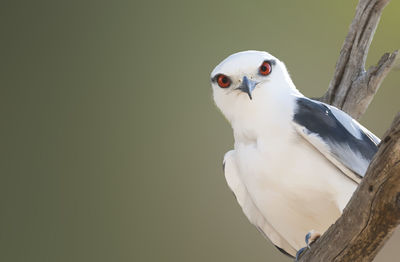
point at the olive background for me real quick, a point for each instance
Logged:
(111, 146)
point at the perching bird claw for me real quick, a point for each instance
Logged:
(310, 238)
(298, 254)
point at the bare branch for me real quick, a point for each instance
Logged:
(373, 212)
(352, 88)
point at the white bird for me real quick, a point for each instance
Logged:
(296, 161)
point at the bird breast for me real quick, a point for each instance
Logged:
(292, 184)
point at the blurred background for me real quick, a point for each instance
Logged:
(111, 146)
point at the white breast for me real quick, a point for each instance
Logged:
(291, 185)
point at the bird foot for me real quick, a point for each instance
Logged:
(298, 254)
(310, 238)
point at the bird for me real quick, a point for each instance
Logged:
(296, 161)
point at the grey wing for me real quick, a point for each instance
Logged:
(339, 137)
(249, 208)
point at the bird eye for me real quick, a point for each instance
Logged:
(265, 68)
(223, 81)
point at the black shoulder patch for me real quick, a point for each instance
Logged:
(318, 118)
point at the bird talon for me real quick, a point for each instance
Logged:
(311, 237)
(298, 254)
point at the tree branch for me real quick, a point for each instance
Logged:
(352, 88)
(373, 212)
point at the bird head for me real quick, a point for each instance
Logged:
(248, 80)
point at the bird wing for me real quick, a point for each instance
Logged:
(249, 208)
(340, 138)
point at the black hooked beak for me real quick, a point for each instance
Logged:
(247, 86)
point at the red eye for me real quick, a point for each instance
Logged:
(223, 81)
(265, 68)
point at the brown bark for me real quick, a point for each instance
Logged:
(352, 87)
(373, 212)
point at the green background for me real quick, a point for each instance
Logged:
(111, 146)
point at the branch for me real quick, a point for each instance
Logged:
(352, 88)
(373, 212)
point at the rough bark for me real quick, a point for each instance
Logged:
(373, 212)
(352, 87)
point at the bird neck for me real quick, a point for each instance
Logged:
(270, 118)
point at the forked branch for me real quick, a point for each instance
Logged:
(352, 87)
(373, 212)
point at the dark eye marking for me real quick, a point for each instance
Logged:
(214, 78)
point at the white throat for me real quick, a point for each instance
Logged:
(269, 113)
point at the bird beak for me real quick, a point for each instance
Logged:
(247, 86)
